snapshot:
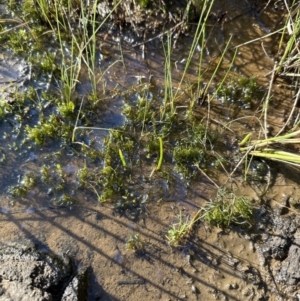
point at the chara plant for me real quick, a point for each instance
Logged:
(25, 184)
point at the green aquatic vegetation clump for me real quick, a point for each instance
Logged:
(18, 41)
(120, 139)
(44, 62)
(83, 176)
(66, 109)
(55, 181)
(131, 201)
(43, 12)
(64, 200)
(16, 108)
(192, 151)
(187, 155)
(52, 128)
(227, 209)
(114, 175)
(5, 108)
(142, 112)
(110, 183)
(186, 158)
(17, 190)
(244, 91)
(113, 179)
(169, 137)
(45, 173)
(29, 107)
(91, 153)
(53, 177)
(151, 144)
(21, 41)
(27, 182)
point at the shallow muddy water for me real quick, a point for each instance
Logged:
(211, 264)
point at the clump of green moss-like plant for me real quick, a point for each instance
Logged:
(25, 183)
(241, 91)
(52, 128)
(227, 209)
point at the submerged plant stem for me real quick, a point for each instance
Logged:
(161, 153)
(122, 158)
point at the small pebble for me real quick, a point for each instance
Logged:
(194, 289)
(233, 286)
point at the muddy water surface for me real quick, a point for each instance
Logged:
(212, 264)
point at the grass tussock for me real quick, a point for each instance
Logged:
(227, 209)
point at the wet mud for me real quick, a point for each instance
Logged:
(260, 262)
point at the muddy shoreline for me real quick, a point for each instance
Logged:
(109, 191)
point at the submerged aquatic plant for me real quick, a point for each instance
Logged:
(26, 183)
(241, 91)
(52, 128)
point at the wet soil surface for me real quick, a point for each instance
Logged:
(236, 264)
(241, 263)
